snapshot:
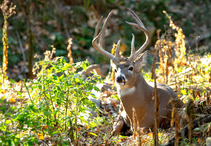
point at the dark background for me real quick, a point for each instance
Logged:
(39, 24)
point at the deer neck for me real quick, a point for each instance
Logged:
(138, 97)
(138, 89)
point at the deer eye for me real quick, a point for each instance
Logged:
(130, 68)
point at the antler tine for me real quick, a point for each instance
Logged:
(141, 26)
(132, 47)
(98, 26)
(117, 50)
(100, 37)
(104, 27)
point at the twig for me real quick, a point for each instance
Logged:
(22, 51)
(203, 36)
(175, 120)
(156, 99)
(190, 114)
(196, 123)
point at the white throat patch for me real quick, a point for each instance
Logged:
(126, 91)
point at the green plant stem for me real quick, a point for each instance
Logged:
(66, 106)
(28, 92)
(76, 120)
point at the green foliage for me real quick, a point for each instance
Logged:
(64, 95)
(58, 103)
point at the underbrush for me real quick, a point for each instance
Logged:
(54, 107)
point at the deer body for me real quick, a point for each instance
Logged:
(134, 92)
(141, 100)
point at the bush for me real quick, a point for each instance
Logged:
(58, 103)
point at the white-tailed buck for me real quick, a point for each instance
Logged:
(134, 92)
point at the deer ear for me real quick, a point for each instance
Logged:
(141, 61)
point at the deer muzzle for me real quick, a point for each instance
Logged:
(120, 79)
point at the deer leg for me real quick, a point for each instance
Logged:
(122, 126)
(118, 125)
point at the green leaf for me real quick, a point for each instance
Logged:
(84, 66)
(61, 77)
(13, 108)
(12, 81)
(47, 113)
(184, 92)
(66, 66)
(8, 122)
(96, 88)
(19, 93)
(93, 133)
(3, 127)
(77, 80)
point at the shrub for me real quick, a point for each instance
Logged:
(57, 106)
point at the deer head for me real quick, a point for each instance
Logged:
(125, 67)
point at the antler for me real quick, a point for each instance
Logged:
(100, 37)
(141, 26)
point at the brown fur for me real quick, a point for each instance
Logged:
(141, 99)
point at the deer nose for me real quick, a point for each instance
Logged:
(120, 79)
